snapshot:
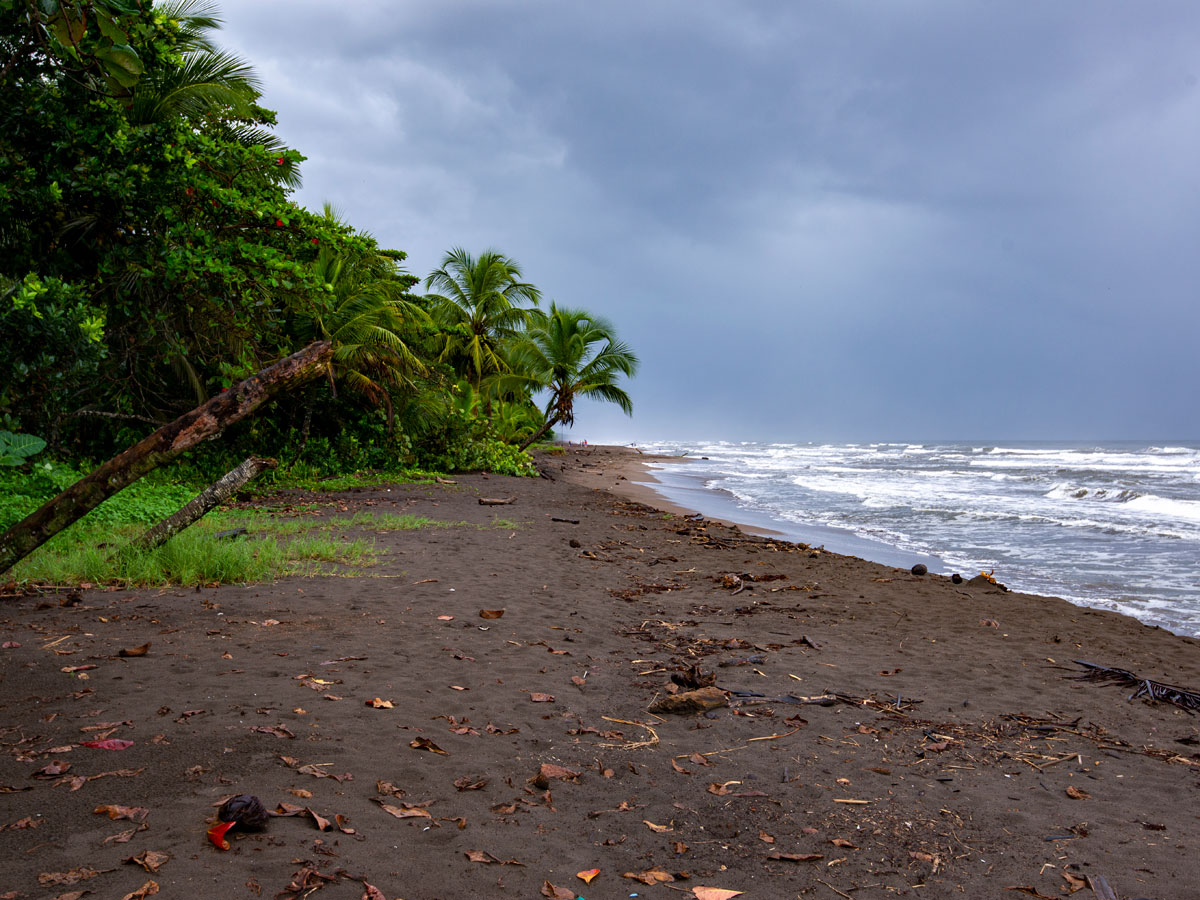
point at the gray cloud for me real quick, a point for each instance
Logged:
(813, 221)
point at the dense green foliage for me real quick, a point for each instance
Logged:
(151, 255)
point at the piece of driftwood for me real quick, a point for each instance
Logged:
(496, 501)
(161, 447)
(568, 521)
(742, 698)
(213, 495)
(1151, 690)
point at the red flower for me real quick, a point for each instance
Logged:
(279, 161)
(279, 223)
(315, 241)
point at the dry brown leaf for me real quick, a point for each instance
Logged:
(679, 848)
(712, 893)
(320, 821)
(301, 793)
(150, 860)
(149, 889)
(557, 893)
(74, 876)
(587, 875)
(651, 876)
(657, 829)
(278, 730)
(494, 614)
(423, 743)
(578, 681)
(680, 769)
(470, 783)
(548, 771)
(135, 651)
(343, 824)
(699, 759)
(1076, 794)
(842, 842)
(405, 812)
(766, 838)
(132, 813)
(1029, 890)
(538, 697)
(69, 895)
(795, 857)
(379, 703)
(1074, 883)
(370, 892)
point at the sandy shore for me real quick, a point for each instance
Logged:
(959, 754)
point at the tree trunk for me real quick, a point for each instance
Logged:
(164, 445)
(537, 435)
(217, 492)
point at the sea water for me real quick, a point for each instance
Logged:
(1115, 526)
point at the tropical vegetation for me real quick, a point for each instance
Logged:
(151, 255)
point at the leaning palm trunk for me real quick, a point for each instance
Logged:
(163, 446)
(540, 433)
(217, 492)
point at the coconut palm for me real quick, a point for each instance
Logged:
(369, 317)
(479, 309)
(209, 80)
(572, 353)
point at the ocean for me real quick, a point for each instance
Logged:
(1114, 526)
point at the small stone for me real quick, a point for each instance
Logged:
(574, 543)
(919, 569)
(956, 578)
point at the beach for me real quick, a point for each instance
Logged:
(472, 717)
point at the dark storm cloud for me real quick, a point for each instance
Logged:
(813, 221)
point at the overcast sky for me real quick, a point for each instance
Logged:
(854, 220)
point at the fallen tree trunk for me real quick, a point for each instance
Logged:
(164, 445)
(216, 493)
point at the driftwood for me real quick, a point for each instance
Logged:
(496, 501)
(1151, 690)
(217, 492)
(163, 446)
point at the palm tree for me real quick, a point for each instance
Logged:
(571, 354)
(479, 309)
(369, 317)
(208, 81)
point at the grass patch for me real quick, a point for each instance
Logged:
(83, 554)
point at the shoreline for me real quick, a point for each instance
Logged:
(486, 698)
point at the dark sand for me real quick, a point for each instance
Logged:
(963, 759)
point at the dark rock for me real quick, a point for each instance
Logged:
(920, 569)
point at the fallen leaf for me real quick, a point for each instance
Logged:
(1076, 794)
(587, 875)
(74, 876)
(795, 857)
(470, 783)
(110, 744)
(712, 893)
(150, 860)
(378, 703)
(370, 892)
(1031, 891)
(494, 614)
(578, 681)
(557, 893)
(1074, 883)
(548, 771)
(423, 743)
(445, 618)
(146, 890)
(405, 812)
(71, 670)
(10, 645)
(343, 824)
(52, 770)
(537, 697)
(679, 848)
(301, 793)
(267, 623)
(657, 829)
(680, 769)
(123, 837)
(135, 651)
(721, 789)
(458, 687)
(132, 813)
(27, 823)
(937, 747)
(482, 856)
(651, 876)
(69, 895)
(766, 838)
(842, 842)
(278, 730)
(699, 759)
